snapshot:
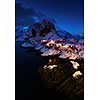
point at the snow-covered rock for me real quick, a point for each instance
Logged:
(51, 52)
(77, 74)
(27, 45)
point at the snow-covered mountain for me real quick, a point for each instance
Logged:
(31, 21)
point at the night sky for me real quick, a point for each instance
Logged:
(69, 14)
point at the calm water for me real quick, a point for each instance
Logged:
(27, 80)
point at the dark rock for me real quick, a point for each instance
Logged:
(61, 80)
(33, 32)
(46, 27)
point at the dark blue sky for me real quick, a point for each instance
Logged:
(69, 14)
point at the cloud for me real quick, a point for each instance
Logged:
(20, 11)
